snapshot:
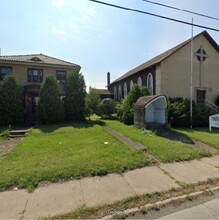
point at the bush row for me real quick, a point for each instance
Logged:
(51, 108)
(179, 113)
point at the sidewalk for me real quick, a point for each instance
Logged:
(59, 198)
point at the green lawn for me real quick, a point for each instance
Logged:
(67, 150)
(163, 149)
(203, 135)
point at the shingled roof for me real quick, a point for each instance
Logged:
(166, 54)
(102, 91)
(38, 59)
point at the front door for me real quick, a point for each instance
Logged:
(200, 96)
(31, 105)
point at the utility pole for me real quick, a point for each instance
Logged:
(191, 77)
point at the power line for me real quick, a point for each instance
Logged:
(155, 15)
(184, 10)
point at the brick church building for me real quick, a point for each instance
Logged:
(170, 72)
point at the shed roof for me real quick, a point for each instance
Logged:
(143, 101)
(165, 55)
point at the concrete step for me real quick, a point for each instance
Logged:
(15, 136)
(18, 133)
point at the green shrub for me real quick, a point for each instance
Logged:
(128, 116)
(11, 109)
(145, 91)
(4, 132)
(217, 101)
(50, 108)
(179, 113)
(125, 110)
(119, 110)
(107, 107)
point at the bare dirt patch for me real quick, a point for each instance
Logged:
(7, 145)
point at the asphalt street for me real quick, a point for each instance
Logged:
(203, 207)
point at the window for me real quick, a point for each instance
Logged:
(125, 90)
(120, 92)
(4, 71)
(35, 59)
(139, 82)
(115, 93)
(150, 84)
(35, 75)
(131, 84)
(61, 76)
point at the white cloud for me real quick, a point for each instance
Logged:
(148, 54)
(58, 31)
(58, 3)
(91, 12)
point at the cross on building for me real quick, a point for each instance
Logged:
(201, 56)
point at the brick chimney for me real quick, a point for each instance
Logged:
(108, 78)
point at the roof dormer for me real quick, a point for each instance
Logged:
(35, 59)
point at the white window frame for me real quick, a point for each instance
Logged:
(139, 82)
(125, 90)
(115, 92)
(150, 84)
(120, 92)
(131, 84)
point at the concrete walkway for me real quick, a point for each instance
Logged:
(124, 139)
(59, 198)
(7, 145)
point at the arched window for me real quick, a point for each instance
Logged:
(150, 84)
(125, 89)
(115, 93)
(139, 82)
(120, 92)
(131, 84)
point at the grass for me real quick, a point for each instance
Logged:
(163, 149)
(54, 152)
(203, 135)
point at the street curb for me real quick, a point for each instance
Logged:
(159, 203)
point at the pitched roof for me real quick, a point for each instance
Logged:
(39, 59)
(165, 55)
(102, 91)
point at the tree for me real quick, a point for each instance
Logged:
(145, 91)
(50, 108)
(75, 90)
(127, 105)
(11, 109)
(93, 102)
(134, 94)
(108, 107)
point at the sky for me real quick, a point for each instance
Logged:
(99, 38)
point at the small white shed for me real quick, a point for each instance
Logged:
(150, 110)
